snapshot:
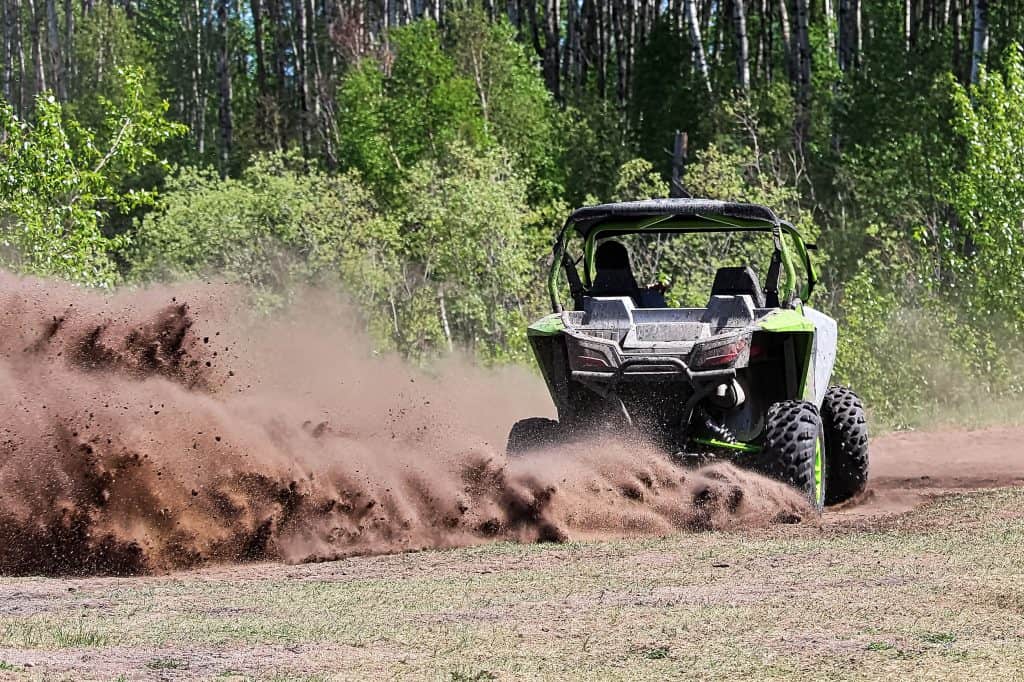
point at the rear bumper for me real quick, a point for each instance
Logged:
(653, 368)
(596, 360)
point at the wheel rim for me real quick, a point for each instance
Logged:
(819, 472)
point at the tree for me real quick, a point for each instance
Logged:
(980, 42)
(742, 46)
(61, 180)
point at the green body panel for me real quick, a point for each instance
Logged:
(785, 320)
(550, 325)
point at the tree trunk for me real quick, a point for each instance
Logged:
(37, 47)
(570, 56)
(552, 38)
(846, 38)
(56, 60)
(620, 52)
(788, 47)
(224, 79)
(69, 42)
(697, 43)
(301, 75)
(830, 36)
(198, 86)
(980, 42)
(803, 64)
(8, 55)
(859, 32)
(763, 27)
(256, 6)
(907, 10)
(444, 320)
(18, 49)
(601, 12)
(739, 16)
(956, 27)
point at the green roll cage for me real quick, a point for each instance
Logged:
(671, 224)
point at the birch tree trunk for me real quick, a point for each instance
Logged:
(830, 36)
(739, 16)
(789, 49)
(198, 84)
(8, 52)
(56, 60)
(37, 47)
(301, 75)
(224, 80)
(980, 42)
(697, 43)
(907, 20)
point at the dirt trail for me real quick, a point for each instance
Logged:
(909, 468)
(163, 429)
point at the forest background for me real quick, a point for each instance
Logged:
(418, 156)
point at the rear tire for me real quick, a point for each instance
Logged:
(846, 443)
(794, 449)
(533, 433)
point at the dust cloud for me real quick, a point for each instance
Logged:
(161, 429)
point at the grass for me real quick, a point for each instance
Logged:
(47, 633)
(935, 594)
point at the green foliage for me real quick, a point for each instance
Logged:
(517, 111)
(449, 266)
(985, 256)
(393, 115)
(275, 228)
(637, 179)
(472, 85)
(464, 230)
(594, 149)
(61, 181)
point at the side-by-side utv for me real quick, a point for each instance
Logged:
(744, 378)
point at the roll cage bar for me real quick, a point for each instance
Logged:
(673, 216)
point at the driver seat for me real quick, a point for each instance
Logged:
(614, 272)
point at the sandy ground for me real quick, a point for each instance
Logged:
(920, 578)
(911, 467)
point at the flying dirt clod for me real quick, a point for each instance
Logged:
(167, 428)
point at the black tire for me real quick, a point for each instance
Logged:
(846, 444)
(533, 433)
(793, 442)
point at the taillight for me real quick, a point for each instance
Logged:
(720, 355)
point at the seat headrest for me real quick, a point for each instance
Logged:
(611, 255)
(738, 281)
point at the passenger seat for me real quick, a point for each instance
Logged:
(738, 281)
